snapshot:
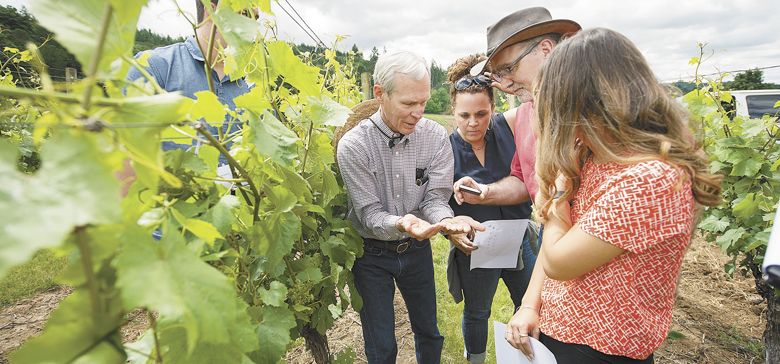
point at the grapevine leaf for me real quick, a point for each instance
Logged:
(284, 62)
(310, 274)
(272, 139)
(746, 207)
(282, 198)
(221, 215)
(208, 107)
(244, 53)
(203, 230)
(168, 278)
(255, 100)
(143, 144)
(729, 238)
(747, 167)
(753, 127)
(346, 356)
(274, 237)
(74, 187)
(72, 332)
(714, 224)
(323, 110)
(336, 249)
(274, 295)
(273, 331)
(178, 159)
(76, 24)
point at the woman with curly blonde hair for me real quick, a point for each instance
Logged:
(620, 177)
(483, 147)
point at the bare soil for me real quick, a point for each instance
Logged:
(716, 319)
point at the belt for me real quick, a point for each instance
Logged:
(398, 246)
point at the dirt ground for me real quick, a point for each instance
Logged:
(716, 319)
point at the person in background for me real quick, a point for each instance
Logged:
(397, 168)
(180, 67)
(483, 148)
(518, 45)
(620, 179)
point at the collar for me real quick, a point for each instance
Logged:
(194, 49)
(386, 129)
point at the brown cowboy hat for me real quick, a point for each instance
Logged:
(519, 26)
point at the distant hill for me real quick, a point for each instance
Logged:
(18, 27)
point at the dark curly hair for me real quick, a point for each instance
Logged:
(460, 69)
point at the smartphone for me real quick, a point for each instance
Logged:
(470, 190)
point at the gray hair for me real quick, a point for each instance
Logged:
(404, 62)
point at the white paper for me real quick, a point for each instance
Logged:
(506, 354)
(223, 171)
(499, 245)
(772, 256)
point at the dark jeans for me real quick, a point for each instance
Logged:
(377, 273)
(479, 287)
(566, 353)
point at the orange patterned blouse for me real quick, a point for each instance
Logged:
(625, 306)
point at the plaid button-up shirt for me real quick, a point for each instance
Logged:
(381, 181)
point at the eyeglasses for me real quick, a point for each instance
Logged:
(501, 74)
(468, 81)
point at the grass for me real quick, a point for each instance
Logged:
(445, 120)
(32, 277)
(449, 313)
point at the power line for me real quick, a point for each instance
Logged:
(316, 40)
(304, 22)
(722, 72)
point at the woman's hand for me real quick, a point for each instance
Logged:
(461, 197)
(523, 324)
(462, 242)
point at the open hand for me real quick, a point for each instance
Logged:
(417, 228)
(460, 225)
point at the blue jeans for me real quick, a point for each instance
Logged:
(377, 273)
(479, 287)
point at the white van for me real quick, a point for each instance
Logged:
(756, 103)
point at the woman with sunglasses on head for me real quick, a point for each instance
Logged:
(483, 148)
(620, 176)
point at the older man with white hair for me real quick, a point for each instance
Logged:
(398, 169)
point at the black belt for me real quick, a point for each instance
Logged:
(398, 246)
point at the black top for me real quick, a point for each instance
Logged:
(499, 151)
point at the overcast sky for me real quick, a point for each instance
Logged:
(743, 34)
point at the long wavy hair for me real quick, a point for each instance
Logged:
(597, 94)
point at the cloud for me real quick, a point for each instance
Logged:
(742, 34)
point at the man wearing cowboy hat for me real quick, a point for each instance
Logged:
(517, 46)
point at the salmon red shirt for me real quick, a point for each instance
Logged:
(524, 160)
(625, 306)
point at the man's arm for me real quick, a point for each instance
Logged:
(509, 190)
(359, 181)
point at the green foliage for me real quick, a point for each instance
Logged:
(34, 276)
(439, 102)
(749, 80)
(745, 151)
(245, 263)
(18, 27)
(146, 39)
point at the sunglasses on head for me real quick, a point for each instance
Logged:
(468, 81)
